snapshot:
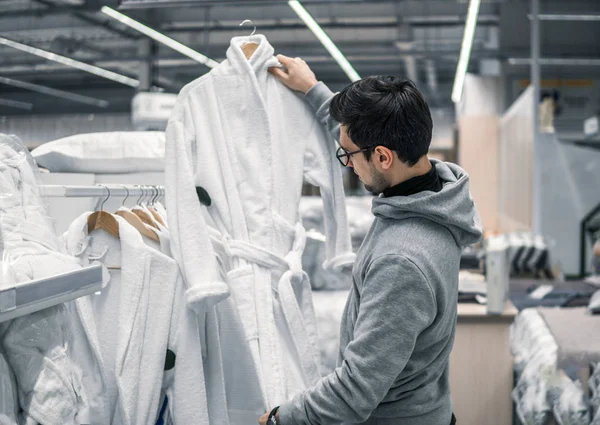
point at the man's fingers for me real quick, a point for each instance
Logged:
(263, 419)
(279, 73)
(284, 59)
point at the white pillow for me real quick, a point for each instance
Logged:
(104, 153)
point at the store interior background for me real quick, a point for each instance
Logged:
(533, 168)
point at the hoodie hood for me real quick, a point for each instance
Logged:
(452, 207)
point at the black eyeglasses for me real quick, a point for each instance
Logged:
(344, 157)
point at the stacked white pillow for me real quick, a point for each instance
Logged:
(104, 153)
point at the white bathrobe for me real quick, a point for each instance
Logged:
(123, 333)
(250, 142)
(8, 393)
(184, 385)
(35, 345)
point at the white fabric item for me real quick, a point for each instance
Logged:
(35, 346)
(104, 153)
(8, 393)
(127, 325)
(359, 222)
(249, 141)
(184, 385)
(570, 404)
(535, 355)
(329, 308)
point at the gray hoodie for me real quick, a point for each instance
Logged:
(399, 322)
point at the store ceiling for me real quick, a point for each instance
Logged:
(417, 39)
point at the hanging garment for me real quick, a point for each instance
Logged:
(126, 326)
(34, 346)
(249, 142)
(8, 393)
(183, 394)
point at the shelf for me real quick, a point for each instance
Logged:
(29, 297)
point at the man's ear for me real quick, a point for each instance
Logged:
(384, 156)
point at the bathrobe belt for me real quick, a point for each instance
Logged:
(300, 317)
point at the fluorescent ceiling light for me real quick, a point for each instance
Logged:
(161, 38)
(16, 104)
(564, 17)
(324, 39)
(557, 61)
(465, 51)
(54, 92)
(100, 72)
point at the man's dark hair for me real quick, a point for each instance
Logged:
(385, 111)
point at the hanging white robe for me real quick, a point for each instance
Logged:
(122, 334)
(250, 142)
(184, 385)
(35, 345)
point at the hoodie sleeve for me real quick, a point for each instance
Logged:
(322, 169)
(396, 305)
(319, 97)
(190, 238)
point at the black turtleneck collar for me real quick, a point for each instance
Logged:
(430, 181)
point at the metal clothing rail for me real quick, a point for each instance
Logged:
(101, 190)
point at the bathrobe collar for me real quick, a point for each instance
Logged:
(261, 59)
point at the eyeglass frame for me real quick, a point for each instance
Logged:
(348, 155)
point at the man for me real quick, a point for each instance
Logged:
(399, 322)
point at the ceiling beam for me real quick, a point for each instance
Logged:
(90, 18)
(327, 24)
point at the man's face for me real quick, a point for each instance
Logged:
(373, 180)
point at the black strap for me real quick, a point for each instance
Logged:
(272, 416)
(453, 422)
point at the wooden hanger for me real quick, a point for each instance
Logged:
(155, 214)
(137, 223)
(250, 47)
(146, 218)
(103, 220)
(135, 220)
(143, 214)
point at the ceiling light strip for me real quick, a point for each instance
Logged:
(324, 39)
(161, 38)
(16, 104)
(465, 50)
(82, 66)
(54, 92)
(565, 17)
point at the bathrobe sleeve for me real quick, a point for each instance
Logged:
(396, 305)
(190, 239)
(322, 169)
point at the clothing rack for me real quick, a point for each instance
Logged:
(101, 190)
(35, 295)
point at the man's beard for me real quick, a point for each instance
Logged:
(379, 183)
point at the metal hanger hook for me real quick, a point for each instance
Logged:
(126, 197)
(145, 194)
(105, 199)
(156, 193)
(249, 21)
(141, 194)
